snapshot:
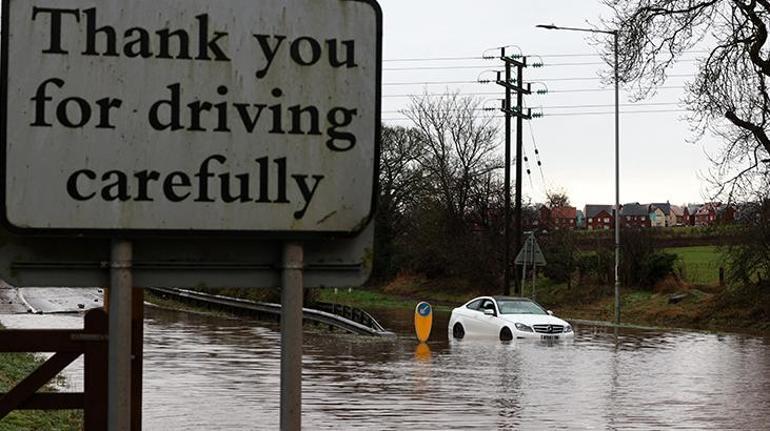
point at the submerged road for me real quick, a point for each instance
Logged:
(211, 373)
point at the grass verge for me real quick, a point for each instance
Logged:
(704, 307)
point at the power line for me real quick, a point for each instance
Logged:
(433, 82)
(652, 111)
(586, 78)
(435, 59)
(678, 75)
(585, 90)
(562, 106)
(573, 114)
(574, 90)
(611, 105)
(556, 55)
(486, 66)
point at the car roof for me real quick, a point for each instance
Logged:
(511, 298)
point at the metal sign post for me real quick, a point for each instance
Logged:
(119, 350)
(291, 337)
(530, 254)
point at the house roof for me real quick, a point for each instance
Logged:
(665, 207)
(594, 210)
(708, 208)
(693, 208)
(564, 212)
(634, 209)
(677, 210)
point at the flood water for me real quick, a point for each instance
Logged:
(207, 373)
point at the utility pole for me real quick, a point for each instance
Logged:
(519, 62)
(615, 34)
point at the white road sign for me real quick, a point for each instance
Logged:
(530, 253)
(233, 115)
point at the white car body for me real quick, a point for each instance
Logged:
(534, 322)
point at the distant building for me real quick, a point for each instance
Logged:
(564, 218)
(543, 218)
(692, 209)
(635, 215)
(680, 216)
(707, 214)
(599, 217)
(657, 217)
(668, 214)
(557, 218)
(726, 214)
(580, 219)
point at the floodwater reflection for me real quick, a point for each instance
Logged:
(210, 373)
(228, 372)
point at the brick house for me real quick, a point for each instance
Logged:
(691, 210)
(557, 218)
(543, 217)
(635, 215)
(599, 217)
(726, 214)
(706, 214)
(564, 218)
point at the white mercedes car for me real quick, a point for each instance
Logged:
(507, 318)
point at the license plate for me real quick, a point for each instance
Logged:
(549, 337)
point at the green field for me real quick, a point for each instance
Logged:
(698, 265)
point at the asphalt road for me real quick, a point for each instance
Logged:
(48, 299)
(10, 303)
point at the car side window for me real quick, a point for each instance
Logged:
(475, 305)
(488, 305)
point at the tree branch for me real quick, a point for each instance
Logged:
(757, 131)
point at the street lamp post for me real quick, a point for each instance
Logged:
(614, 34)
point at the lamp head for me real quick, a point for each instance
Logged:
(547, 26)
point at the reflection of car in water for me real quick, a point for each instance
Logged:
(507, 318)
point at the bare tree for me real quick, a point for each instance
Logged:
(557, 198)
(729, 95)
(401, 178)
(458, 147)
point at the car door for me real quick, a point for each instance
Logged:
(488, 324)
(472, 317)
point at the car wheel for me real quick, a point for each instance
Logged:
(458, 331)
(505, 334)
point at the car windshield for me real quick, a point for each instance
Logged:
(519, 307)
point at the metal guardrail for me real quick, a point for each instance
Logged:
(366, 324)
(352, 313)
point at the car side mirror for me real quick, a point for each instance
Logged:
(489, 312)
(550, 313)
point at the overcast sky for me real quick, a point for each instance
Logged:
(576, 144)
